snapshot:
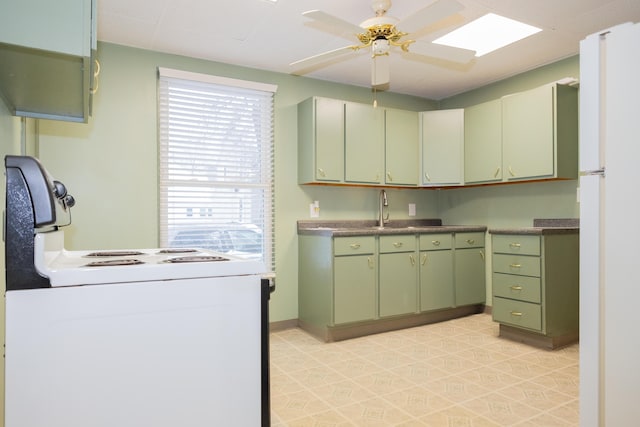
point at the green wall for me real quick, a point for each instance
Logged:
(110, 164)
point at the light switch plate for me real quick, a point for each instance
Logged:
(412, 209)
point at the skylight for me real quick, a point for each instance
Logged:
(487, 33)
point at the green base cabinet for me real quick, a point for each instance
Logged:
(536, 285)
(436, 272)
(398, 275)
(354, 288)
(469, 267)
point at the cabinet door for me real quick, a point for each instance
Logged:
(364, 139)
(470, 276)
(354, 288)
(398, 279)
(329, 139)
(483, 142)
(401, 147)
(442, 147)
(436, 280)
(528, 134)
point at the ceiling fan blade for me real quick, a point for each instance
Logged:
(333, 21)
(439, 51)
(426, 16)
(319, 59)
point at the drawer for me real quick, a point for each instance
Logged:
(432, 242)
(469, 240)
(398, 243)
(517, 313)
(516, 264)
(521, 288)
(516, 244)
(354, 245)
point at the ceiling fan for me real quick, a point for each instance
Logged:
(382, 32)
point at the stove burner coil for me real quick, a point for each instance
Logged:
(114, 253)
(114, 263)
(196, 258)
(177, 251)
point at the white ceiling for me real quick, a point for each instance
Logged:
(265, 35)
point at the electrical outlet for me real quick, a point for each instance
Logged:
(314, 209)
(412, 209)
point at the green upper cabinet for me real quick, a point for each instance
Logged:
(540, 133)
(442, 147)
(46, 57)
(483, 142)
(401, 147)
(321, 140)
(364, 139)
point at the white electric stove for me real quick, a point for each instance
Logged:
(149, 337)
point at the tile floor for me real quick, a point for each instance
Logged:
(455, 373)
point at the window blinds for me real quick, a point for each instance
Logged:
(216, 164)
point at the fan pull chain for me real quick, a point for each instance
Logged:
(375, 98)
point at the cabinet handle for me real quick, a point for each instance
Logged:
(482, 255)
(471, 241)
(370, 262)
(321, 172)
(424, 259)
(514, 245)
(389, 177)
(397, 244)
(515, 265)
(427, 177)
(412, 259)
(377, 177)
(355, 246)
(495, 175)
(516, 313)
(516, 288)
(511, 172)
(435, 242)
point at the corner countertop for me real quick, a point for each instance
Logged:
(544, 226)
(370, 227)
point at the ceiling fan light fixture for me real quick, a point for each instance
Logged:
(380, 47)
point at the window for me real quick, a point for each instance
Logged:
(216, 164)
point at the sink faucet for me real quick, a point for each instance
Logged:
(382, 220)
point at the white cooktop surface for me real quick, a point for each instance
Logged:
(71, 268)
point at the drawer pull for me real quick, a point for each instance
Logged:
(355, 246)
(424, 259)
(515, 265)
(514, 245)
(516, 313)
(516, 288)
(471, 241)
(397, 244)
(435, 242)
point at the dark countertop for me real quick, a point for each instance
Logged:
(370, 227)
(544, 227)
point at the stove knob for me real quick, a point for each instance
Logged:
(69, 201)
(59, 190)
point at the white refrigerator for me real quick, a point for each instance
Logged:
(610, 227)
